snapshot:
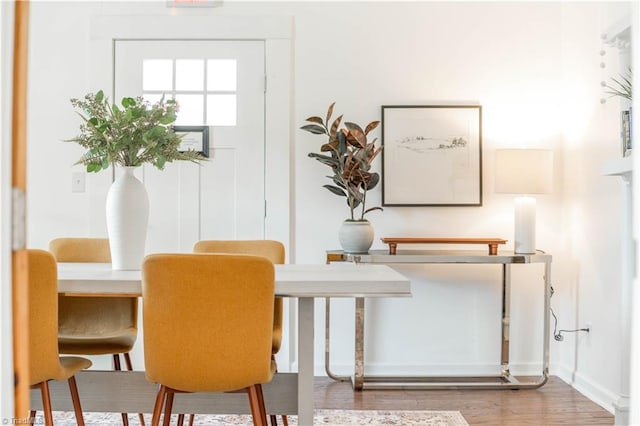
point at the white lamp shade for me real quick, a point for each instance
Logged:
(523, 171)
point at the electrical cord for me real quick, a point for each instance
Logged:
(557, 334)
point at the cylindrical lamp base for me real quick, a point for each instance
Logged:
(525, 225)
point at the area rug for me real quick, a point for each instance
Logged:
(321, 417)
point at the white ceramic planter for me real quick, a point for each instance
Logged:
(356, 236)
(127, 217)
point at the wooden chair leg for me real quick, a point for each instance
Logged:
(75, 399)
(263, 408)
(168, 406)
(129, 365)
(273, 419)
(116, 362)
(192, 418)
(32, 417)
(127, 361)
(285, 422)
(117, 367)
(157, 408)
(180, 420)
(46, 403)
(259, 416)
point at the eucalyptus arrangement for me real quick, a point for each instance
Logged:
(349, 155)
(132, 134)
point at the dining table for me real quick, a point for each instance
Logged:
(288, 393)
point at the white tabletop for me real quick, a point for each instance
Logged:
(334, 280)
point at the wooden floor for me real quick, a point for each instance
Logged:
(556, 403)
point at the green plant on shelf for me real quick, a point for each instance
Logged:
(621, 86)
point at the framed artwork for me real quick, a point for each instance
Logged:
(195, 138)
(432, 155)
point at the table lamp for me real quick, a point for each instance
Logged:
(524, 172)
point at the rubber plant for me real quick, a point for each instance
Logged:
(132, 134)
(349, 154)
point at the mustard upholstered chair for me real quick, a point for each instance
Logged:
(221, 308)
(272, 250)
(95, 325)
(45, 362)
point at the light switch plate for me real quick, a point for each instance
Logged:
(77, 181)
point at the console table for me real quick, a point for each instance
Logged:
(505, 380)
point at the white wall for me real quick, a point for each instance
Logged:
(592, 204)
(515, 59)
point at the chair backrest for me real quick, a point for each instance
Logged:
(91, 315)
(207, 320)
(44, 362)
(80, 249)
(272, 250)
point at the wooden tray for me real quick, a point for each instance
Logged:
(492, 242)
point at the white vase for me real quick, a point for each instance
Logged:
(127, 217)
(356, 236)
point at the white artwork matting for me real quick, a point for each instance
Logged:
(432, 155)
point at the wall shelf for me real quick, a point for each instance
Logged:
(619, 167)
(618, 34)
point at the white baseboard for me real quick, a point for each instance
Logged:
(563, 372)
(595, 392)
(587, 387)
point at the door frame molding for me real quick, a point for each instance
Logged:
(277, 32)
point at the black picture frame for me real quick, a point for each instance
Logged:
(432, 155)
(195, 137)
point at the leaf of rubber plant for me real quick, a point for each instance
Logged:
(315, 119)
(331, 146)
(334, 126)
(373, 181)
(353, 126)
(325, 159)
(342, 143)
(338, 181)
(372, 209)
(330, 111)
(371, 126)
(314, 128)
(356, 138)
(335, 190)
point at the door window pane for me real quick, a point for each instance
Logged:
(157, 74)
(190, 110)
(153, 98)
(221, 110)
(221, 74)
(190, 74)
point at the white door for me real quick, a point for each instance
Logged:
(219, 84)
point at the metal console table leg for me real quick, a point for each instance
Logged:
(504, 381)
(327, 345)
(357, 380)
